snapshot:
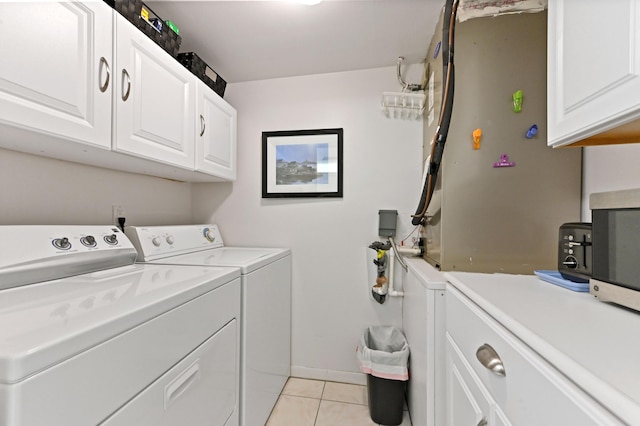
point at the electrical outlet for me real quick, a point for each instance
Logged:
(116, 211)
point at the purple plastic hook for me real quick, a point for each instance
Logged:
(504, 162)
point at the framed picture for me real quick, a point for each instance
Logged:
(302, 163)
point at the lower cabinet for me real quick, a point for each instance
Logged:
(468, 402)
(493, 378)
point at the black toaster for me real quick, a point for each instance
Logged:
(575, 251)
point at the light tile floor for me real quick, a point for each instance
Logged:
(306, 402)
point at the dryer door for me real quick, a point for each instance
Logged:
(200, 390)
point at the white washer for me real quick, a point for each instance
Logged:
(88, 337)
(265, 352)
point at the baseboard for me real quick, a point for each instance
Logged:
(329, 375)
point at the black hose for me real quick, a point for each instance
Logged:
(444, 120)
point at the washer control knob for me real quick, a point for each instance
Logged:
(156, 241)
(170, 240)
(88, 241)
(209, 234)
(111, 239)
(61, 243)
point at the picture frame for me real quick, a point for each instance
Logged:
(302, 163)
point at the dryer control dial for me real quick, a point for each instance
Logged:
(170, 240)
(156, 241)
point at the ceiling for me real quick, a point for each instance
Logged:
(245, 40)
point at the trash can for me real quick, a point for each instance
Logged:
(383, 354)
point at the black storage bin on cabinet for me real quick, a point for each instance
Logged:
(165, 37)
(204, 72)
(383, 353)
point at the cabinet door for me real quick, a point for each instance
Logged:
(531, 391)
(467, 402)
(216, 134)
(56, 70)
(593, 67)
(154, 100)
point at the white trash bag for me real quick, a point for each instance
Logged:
(384, 352)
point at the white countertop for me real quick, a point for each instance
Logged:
(595, 344)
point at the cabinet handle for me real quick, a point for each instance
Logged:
(125, 75)
(103, 64)
(489, 358)
(483, 422)
(202, 125)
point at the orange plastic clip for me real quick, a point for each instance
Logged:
(477, 135)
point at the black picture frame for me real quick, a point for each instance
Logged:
(302, 163)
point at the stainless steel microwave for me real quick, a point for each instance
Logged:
(615, 218)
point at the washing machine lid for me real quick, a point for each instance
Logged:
(248, 259)
(46, 323)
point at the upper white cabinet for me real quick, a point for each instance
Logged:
(56, 70)
(216, 134)
(154, 100)
(80, 83)
(593, 71)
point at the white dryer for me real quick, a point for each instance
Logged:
(87, 337)
(265, 351)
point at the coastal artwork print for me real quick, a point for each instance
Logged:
(302, 163)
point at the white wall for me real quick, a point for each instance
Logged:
(40, 191)
(609, 168)
(332, 305)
